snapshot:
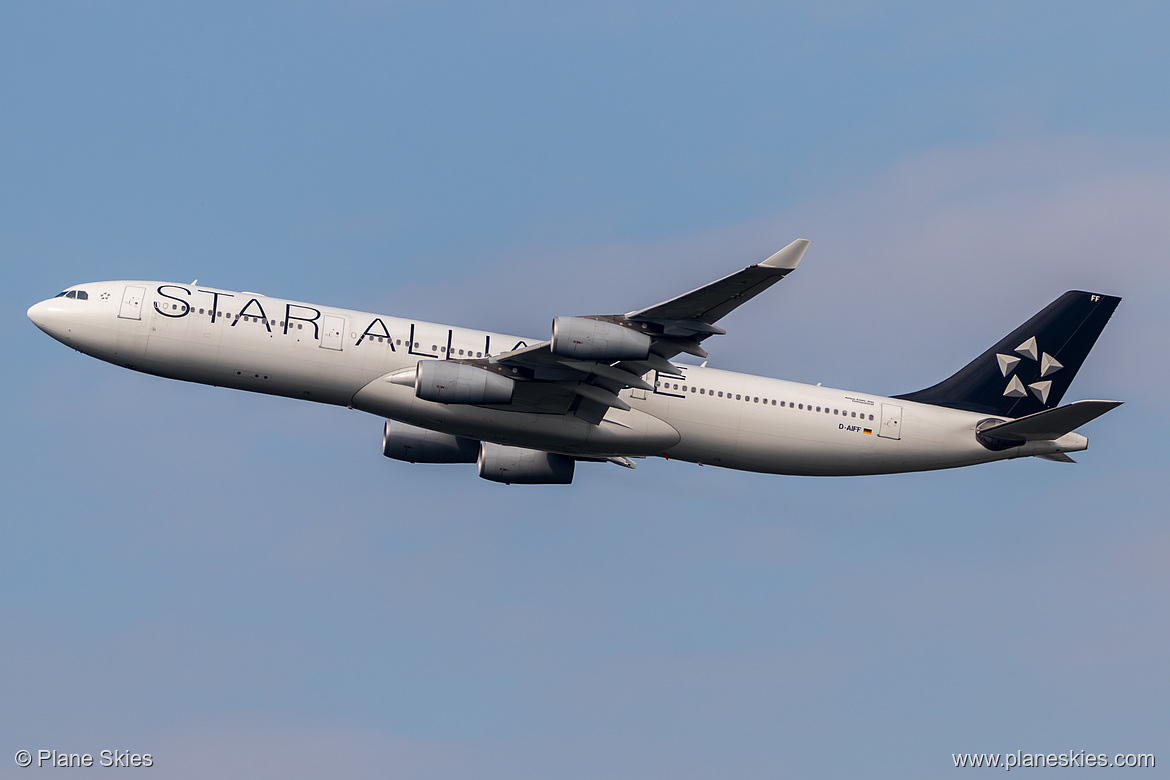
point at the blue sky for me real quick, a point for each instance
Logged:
(243, 585)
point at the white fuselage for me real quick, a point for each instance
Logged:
(339, 356)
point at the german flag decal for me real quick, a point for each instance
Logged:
(867, 431)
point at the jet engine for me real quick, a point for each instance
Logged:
(585, 339)
(418, 445)
(457, 383)
(520, 466)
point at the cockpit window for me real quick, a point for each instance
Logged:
(60, 295)
(80, 295)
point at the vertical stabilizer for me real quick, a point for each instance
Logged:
(1030, 369)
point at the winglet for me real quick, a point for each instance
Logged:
(788, 257)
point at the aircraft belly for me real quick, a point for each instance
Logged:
(123, 343)
(620, 433)
(253, 363)
(801, 445)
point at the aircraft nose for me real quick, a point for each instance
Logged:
(46, 315)
(39, 314)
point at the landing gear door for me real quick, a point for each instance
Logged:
(132, 303)
(891, 427)
(332, 332)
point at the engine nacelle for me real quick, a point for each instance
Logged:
(585, 339)
(520, 466)
(418, 445)
(457, 383)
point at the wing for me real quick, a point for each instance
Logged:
(711, 302)
(553, 383)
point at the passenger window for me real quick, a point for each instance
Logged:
(756, 400)
(702, 391)
(818, 408)
(871, 417)
(720, 393)
(737, 396)
(773, 402)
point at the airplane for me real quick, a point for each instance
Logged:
(602, 388)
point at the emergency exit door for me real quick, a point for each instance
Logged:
(132, 303)
(332, 332)
(891, 427)
(639, 393)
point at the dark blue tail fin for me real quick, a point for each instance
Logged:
(1031, 368)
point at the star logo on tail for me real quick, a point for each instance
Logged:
(1030, 351)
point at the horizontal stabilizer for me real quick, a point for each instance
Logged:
(1050, 424)
(1057, 457)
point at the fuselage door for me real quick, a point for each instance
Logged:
(891, 427)
(638, 393)
(132, 303)
(332, 332)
